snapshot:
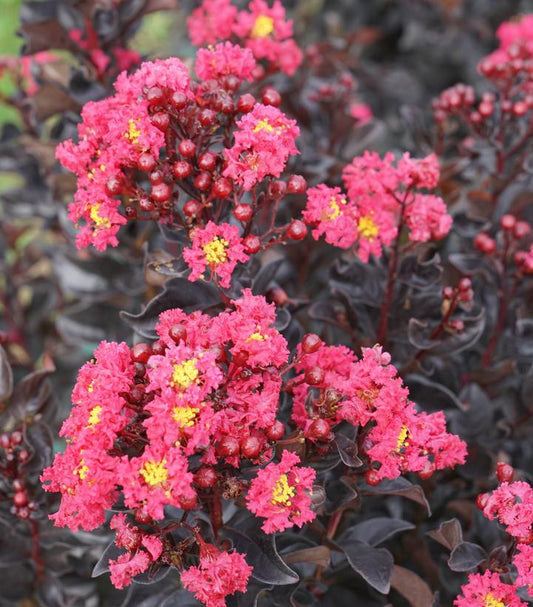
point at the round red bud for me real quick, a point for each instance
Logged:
(142, 516)
(448, 292)
(207, 117)
(203, 181)
(427, 471)
(222, 188)
(278, 296)
(270, 96)
(20, 498)
(16, 438)
(318, 429)
(228, 447)
(161, 192)
(465, 284)
(527, 265)
(188, 503)
(113, 186)
(155, 95)
(484, 243)
(178, 100)
(177, 333)
(187, 148)
(192, 208)
(297, 230)
(252, 244)
(145, 204)
(246, 103)
(140, 353)
(130, 212)
(504, 472)
(250, 447)
(158, 348)
(520, 108)
(275, 431)
(207, 161)
(146, 162)
(508, 222)
(181, 169)
(372, 477)
(296, 184)
(205, 477)
(161, 120)
(243, 212)
(521, 229)
(314, 376)
(311, 343)
(485, 109)
(156, 177)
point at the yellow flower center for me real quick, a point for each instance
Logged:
(490, 601)
(101, 222)
(133, 132)
(402, 438)
(154, 473)
(216, 251)
(94, 416)
(367, 228)
(263, 26)
(184, 374)
(82, 470)
(185, 416)
(282, 492)
(263, 125)
(257, 336)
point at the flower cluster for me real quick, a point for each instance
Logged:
(218, 575)
(262, 28)
(368, 394)
(280, 494)
(382, 197)
(487, 590)
(263, 144)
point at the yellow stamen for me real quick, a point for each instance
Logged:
(257, 336)
(101, 222)
(82, 470)
(154, 473)
(491, 601)
(134, 132)
(94, 416)
(263, 26)
(263, 125)
(402, 442)
(216, 251)
(367, 228)
(185, 416)
(184, 374)
(282, 491)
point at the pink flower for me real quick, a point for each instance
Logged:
(523, 561)
(87, 481)
(211, 22)
(331, 215)
(268, 35)
(223, 60)
(362, 112)
(218, 575)
(157, 478)
(142, 550)
(512, 505)
(127, 566)
(487, 590)
(263, 144)
(280, 494)
(217, 247)
(427, 218)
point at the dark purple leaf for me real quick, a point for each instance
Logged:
(373, 564)
(6, 376)
(376, 530)
(466, 556)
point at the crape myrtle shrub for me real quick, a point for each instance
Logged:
(291, 271)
